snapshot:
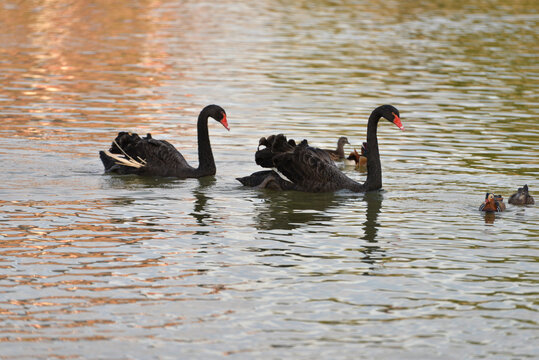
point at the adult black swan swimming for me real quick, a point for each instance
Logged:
(311, 169)
(131, 154)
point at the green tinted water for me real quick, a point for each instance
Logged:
(99, 266)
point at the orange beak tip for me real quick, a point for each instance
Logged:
(225, 124)
(397, 121)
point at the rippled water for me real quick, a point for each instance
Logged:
(100, 266)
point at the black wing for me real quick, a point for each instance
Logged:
(308, 168)
(147, 155)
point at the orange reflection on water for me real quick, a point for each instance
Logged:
(81, 58)
(77, 253)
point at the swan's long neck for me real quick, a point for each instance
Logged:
(206, 163)
(374, 167)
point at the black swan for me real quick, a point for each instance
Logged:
(522, 197)
(131, 154)
(311, 169)
(492, 203)
(338, 154)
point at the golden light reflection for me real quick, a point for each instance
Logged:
(88, 253)
(74, 70)
(84, 57)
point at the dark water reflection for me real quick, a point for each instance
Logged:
(100, 266)
(200, 211)
(372, 251)
(290, 210)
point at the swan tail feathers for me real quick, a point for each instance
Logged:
(255, 179)
(267, 179)
(130, 162)
(107, 161)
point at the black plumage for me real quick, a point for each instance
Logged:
(311, 169)
(131, 154)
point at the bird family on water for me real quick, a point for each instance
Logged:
(494, 203)
(306, 168)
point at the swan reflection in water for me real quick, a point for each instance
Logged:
(293, 209)
(200, 212)
(290, 210)
(134, 182)
(371, 251)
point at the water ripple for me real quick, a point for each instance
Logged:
(100, 266)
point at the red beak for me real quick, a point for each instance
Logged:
(397, 121)
(224, 122)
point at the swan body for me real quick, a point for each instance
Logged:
(131, 154)
(522, 197)
(311, 169)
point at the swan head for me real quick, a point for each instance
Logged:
(218, 113)
(223, 121)
(391, 114)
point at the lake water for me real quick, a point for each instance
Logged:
(100, 266)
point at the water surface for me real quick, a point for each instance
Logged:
(104, 266)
